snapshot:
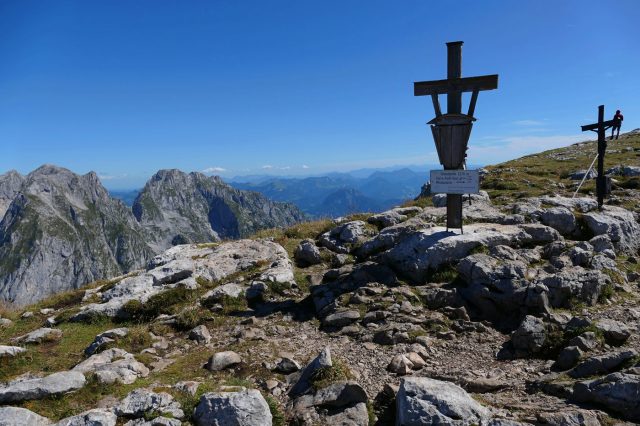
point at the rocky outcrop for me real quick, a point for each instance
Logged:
(618, 392)
(113, 365)
(10, 184)
(62, 231)
(143, 401)
(180, 208)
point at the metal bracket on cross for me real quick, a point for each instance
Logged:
(601, 129)
(451, 131)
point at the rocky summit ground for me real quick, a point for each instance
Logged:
(530, 316)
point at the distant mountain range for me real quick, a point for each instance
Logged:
(337, 194)
(60, 230)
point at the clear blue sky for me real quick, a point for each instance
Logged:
(125, 88)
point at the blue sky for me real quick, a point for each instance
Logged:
(125, 88)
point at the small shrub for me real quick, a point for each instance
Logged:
(606, 293)
(190, 318)
(233, 304)
(445, 274)
(276, 413)
(137, 339)
(326, 376)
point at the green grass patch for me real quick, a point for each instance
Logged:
(326, 376)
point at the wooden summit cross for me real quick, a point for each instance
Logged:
(451, 131)
(600, 128)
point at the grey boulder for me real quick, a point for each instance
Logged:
(222, 360)
(97, 417)
(38, 388)
(617, 392)
(16, 416)
(424, 401)
(10, 351)
(307, 253)
(243, 408)
(141, 401)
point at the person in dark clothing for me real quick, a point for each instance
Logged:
(617, 123)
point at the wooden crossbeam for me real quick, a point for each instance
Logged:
(595, 126)
(467, 84)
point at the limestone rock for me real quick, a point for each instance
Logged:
(200, 334)
(341, 319)
(113, 365)
(617, 392)
(40, 335)
(105, 338)
(602, 364)
(561, 219)
(422, 401)
(303, 384)
(11, 351)
(243, 408)
(15, 416)
(141, 401)
(619, 224)
(307, 253)
(222, 360)
(615, 332)
(341, 238)
(96, 417)
(38, 388)
(529, 338)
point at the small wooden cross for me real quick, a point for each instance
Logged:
(600, 128)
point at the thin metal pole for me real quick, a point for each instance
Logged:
(585, 176)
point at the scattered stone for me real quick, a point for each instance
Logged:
(561, 219)
(16, 416)
(113, 365)
(96, 417)
(303, 383)
(615, 332)
(141, 401)
(602, 364)
(529, 338)
(11, 351)
(243, 408)
(423, 401)
(307, 253)
(39, 336)
(222, 360)
(569, 418)
(341, 319)
(38, 388)
(400, 365)
(567, 358)
(189, 387)
(200, 334)
(287, 365)
(104, 338)
(618, 392)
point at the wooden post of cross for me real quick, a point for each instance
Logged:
(600, 128)
(451, 131)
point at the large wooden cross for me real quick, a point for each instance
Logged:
(452, 152)
(600, 128)
(455, 85)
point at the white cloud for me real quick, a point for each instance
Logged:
(267, 167)
(285, 168)
(214, 170)
(106, 176)
(304, 166)
(511, 147)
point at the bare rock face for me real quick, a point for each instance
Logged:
(179, 208)
(10, 184)
(62, 231)
(243, 408)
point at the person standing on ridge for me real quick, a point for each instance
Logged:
(617, 123)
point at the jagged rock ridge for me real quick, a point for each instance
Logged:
(178, 208)
(61, 231)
